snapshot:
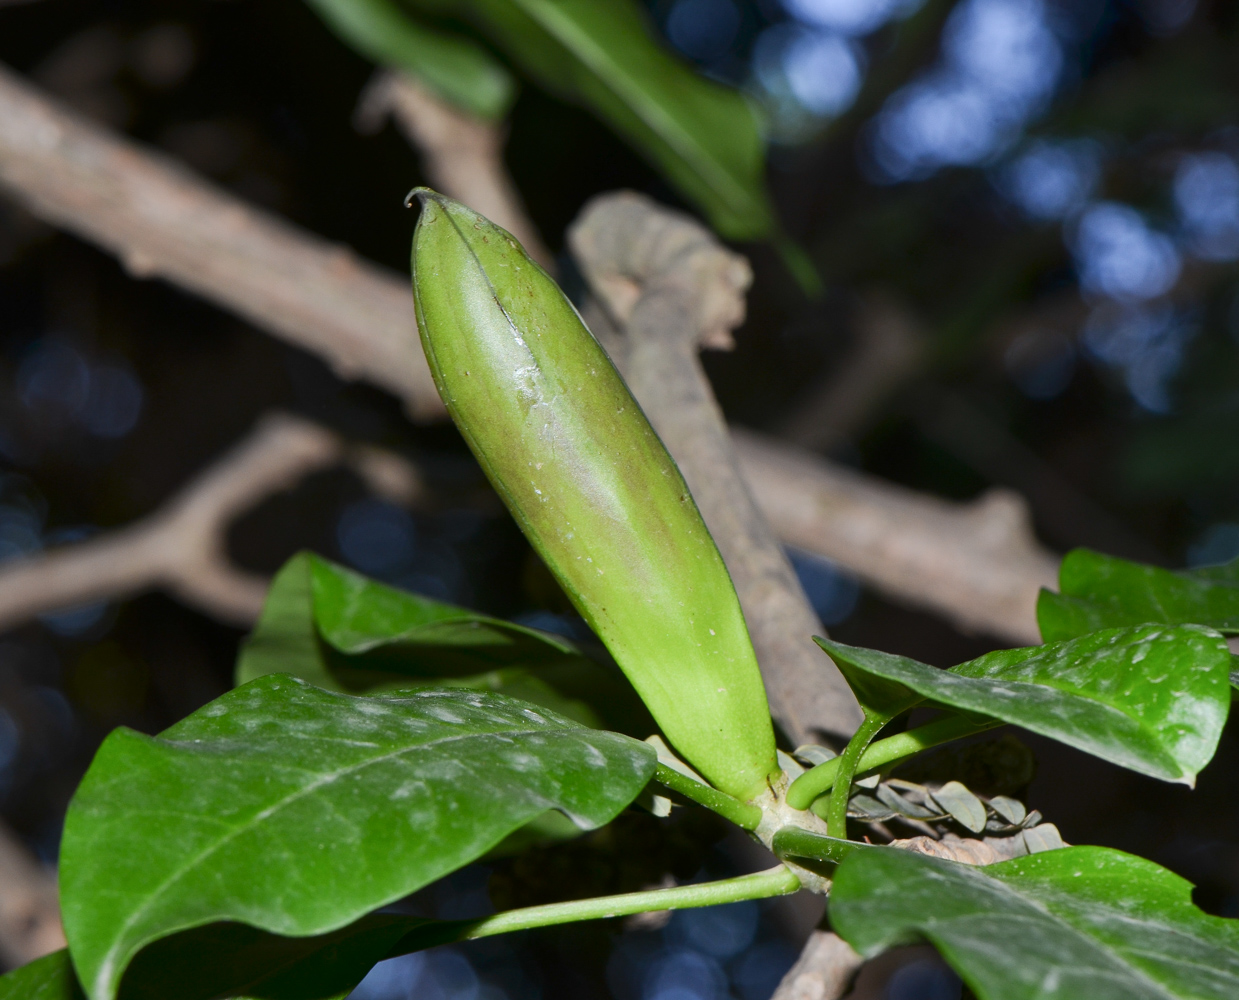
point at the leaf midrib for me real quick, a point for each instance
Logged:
(104, 978)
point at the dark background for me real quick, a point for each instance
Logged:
(1133, 449)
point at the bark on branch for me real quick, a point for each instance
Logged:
(164, 222)
(823, 971)
(359, 317)
(976, 564)
(181, 547)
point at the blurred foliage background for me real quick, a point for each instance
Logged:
(1025, 219)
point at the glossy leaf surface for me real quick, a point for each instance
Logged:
(48, 978)
(1081, 923)
(229, 959)
(455, 68)
(344, 632)
(591, 485)
(297, 811)
(1098, 591)
(813, 851)
(705, 137)
(233, 960)
(1152, 698)
(317, 609)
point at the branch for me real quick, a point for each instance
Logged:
(29, 905)
(977, 564)
(358, 316)
(823, 971)
(671, 287)
(462, 156)
(181, 547)
(162, 221)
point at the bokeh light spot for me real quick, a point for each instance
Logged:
(1053, 180)
(1118, 255)
(1206, 194)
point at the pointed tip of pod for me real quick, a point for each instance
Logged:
(429, 196)
(422, 194)
(433, 202)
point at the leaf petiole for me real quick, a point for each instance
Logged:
(821, 779)
(775, 882)
(744, 815)
(845, 771)
(812, 850)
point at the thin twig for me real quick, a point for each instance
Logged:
(671, 287)
(181, 547)
(462, 155)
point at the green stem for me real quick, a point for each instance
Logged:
(775, 882)
(743, 814)
(821, 779)
(430, 933)
(837, 816)
(811, 850)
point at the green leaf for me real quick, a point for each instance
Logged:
(320, 618)
(1081, 923)
(705, 137)
(455, 68)
(48, 978)
(516, 683)
(285, 640)
(1098, 591)
(1152, 698)
(233, 960)
(297, 811)
(356, 615)
(881, 699)
(343, 632)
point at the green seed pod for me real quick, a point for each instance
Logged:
(592, 486)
